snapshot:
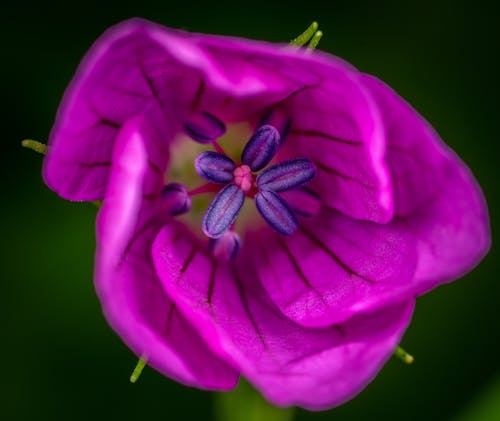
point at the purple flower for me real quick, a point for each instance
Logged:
(308, 318)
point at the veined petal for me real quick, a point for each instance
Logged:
(214, 167)
(134, 303)
(286, 175)
(261, 147)
(338, 125)
(222, 211)
(276, 212)
(437, 198)
(302, 201)
(166, 76)
(334, 268)
(291, 365)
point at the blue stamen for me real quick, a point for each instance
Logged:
(204, 127)
(225, 247)
(286, 175)
(222, 211)
(176, 198)
(279, 120)
(261, 147)
(214, 167)
(276, 212)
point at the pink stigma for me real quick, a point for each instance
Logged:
(243, 178)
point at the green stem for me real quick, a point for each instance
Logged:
(246, 404)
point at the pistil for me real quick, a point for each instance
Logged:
(251, 177)
(243, 178)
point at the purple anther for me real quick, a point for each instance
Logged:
(176, 198)
(278, 119)
(276, 212)
(286, 175)
(303, 201)
(261, 147)
(214, 167)
(204, 127)
(226, 247)
(222, 211)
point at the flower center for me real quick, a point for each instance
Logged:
(243, 178)
(277, 190)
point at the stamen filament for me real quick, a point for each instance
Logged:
(218, 147)
(401, 354)
(138, 369)
(35, 146)
(305, 36)
(205, 188)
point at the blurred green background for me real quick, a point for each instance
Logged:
(59, 358)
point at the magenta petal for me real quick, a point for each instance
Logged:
(167, 76)
(339, 127)
(113, 84)
(437, 197)
(334, 268)
(130, 292)
(290, 365)
(303, 201)
(309, 319)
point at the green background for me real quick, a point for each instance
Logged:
(59, 358)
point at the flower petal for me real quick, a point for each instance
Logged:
(334, 268)
(338, 125)
(276, 212)
(140, 68)
(302, 201)
(312, 368)
(214, 167)
(437, 198)
(261, 147)
(167, 76)
(222, 211)
(132, 298)
(286, 175)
